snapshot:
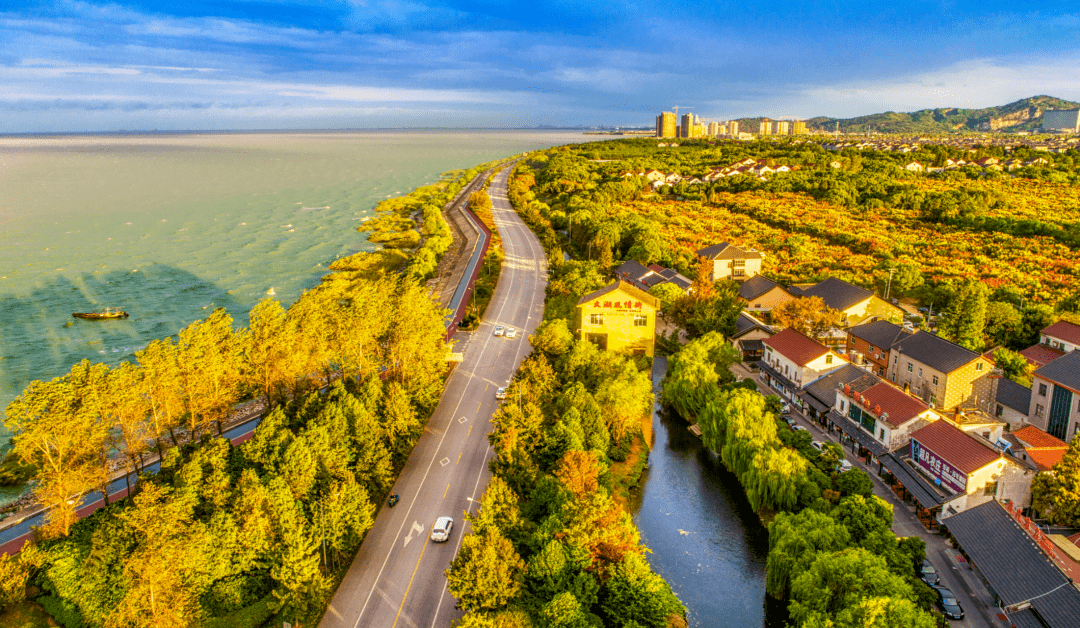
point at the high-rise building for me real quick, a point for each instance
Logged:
(799, 128)
(665, 125)
(782, 127)
(733, 128)
(687, 125)
(765, 128)
(1061, 120)
(722, 129)
(714, 129)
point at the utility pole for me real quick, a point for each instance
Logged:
(889, 284)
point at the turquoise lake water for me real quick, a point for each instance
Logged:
(169, 227)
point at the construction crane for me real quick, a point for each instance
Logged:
(677, 111)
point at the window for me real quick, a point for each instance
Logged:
(641, 320)
(1042, 390)
(828, 358)
(881, 435)
(990, 488)
(1038, 410)
(978, 366)
(739, 263)
(842, 406)
(910, 368)
(999, 411)
(757, 306)
(920, 371)
(935, 380)
(895, 359)
(933, 401)
(596, 319)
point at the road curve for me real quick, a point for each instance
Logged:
(397, 577)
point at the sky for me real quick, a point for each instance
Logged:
(318, 64)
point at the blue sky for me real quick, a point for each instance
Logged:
(236, 64)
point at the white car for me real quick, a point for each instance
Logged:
(440, 532)
(498, 330)
(500, 393)
(818, 445)
(844, 466)
(511, 332)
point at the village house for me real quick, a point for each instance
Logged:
(1034, 446)
(882, 410)
(914, 167)
(1055, 397)
(619, 317)
(941, 373)
(645, 277)
(857, 304)
(1011, 401)
(869, 344)
(762, 294)
(748, 337)
(731, 262)
(793, 359)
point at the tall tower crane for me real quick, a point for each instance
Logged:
(677, 111)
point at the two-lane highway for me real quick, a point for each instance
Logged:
(397, 578)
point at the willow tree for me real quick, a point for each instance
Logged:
(62, 438)
(208, 356)
(795, 540)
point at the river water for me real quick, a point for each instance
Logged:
(704, 537)
(171, 226)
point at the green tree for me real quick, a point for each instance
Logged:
(839, 582)
(863, 516)
(487, 572)
(1004, 324)
(270, 358)
(795, 540)
(1014, 366)
(208, 360)
(808, 316)
(668, 293)
(634, 594)
(964, 320)
(1056, 495)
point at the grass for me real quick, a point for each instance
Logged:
(26, 615)
(626, 475)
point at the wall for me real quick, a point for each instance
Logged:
(772, 299)
(618, 323)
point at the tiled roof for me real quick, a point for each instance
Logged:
(1064, 330)
(631, 270)
(796, 347)
(1045, 459)
(956, 446)
(627, 289)
(744, 323)
(1064, 371)
(727, 251)
(881, 334)
(824, 388)
(1013, 395)
(925, 493)
(756, 286)
(837, 293)
(900, 407)
(1033, 437)
(1013, 565)
(1041, 354)
(934, 351)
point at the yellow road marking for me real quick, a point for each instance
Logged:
(478, 405)
(396, 617)
(444, 497)
(470, 431)
(486, 386)
(459, 457)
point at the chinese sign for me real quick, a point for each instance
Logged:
(934, 466)
(617, 305)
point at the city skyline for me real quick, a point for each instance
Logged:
(76, 66)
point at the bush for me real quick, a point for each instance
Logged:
(235, 592)
(855, 482)
(63, 611)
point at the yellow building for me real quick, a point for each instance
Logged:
(782, 127)
(765, 128)
(666, 125)
(733, 128)
(619, 317)
(799, 127)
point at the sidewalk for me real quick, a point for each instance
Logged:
(956, 573)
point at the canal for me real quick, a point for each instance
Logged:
(705, 539)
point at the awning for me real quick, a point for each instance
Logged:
(923, 492)
(813, 402)
(848, 427)
(765, 368)
(752, 345)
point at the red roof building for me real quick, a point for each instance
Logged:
(792, 360)
(1040, 448)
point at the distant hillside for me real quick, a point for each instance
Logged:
(1022, 115)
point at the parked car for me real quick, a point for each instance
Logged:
(799, 428)
(843, 466)
(818, 445)
(790, 421)
(498, 330)
(511, 332)
(441, 530)
(928, 574)
(500, 393)
(947, 603)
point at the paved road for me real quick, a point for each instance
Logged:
(397, 578)
(955, 573)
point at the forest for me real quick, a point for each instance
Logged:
(217, 534)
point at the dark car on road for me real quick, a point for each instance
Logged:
(928, 574)
(947, 603)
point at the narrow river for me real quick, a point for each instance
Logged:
(705, 539)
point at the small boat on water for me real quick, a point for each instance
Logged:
(97, 316)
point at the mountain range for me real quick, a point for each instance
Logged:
(1022, 115)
